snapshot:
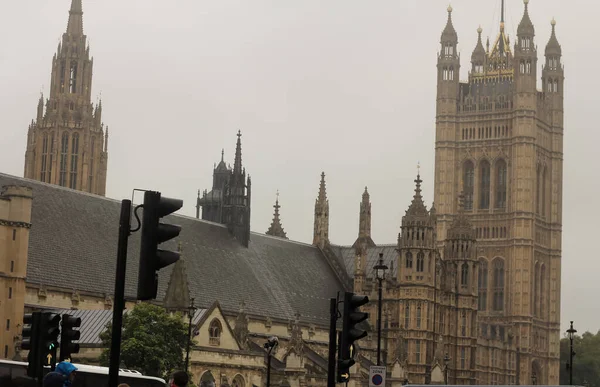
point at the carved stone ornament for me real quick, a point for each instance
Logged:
(296, 342)
(268, 323)
(241, 327)
(75, 297)
(42, 294)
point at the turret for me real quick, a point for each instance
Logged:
(525, 62)
(478, 58)
(553, 74)
(40, 109)
(276, 229)
(448, 67)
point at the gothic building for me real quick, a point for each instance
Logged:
(500, 141)
(228, 202)
(67, 141)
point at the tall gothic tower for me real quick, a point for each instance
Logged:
(499, 140)
(67, 143)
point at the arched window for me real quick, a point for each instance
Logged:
(483, 284)
(484, 186)
(74, 159)
(463, 325)
(406, 315)
(420, 261)
(207, 380)
(238, 381)
(214, 332)
(498, 268)
(542, 298)
(419, 316)
(543, 184)
(464, 275)
(92, 154)
(44, 157)
(468, 184)
(73, 78)
(49, 167)
(536, 289)
(501, 171)
(64, 154)
(538, 191)
(409, 260)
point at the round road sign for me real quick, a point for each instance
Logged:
(377, 380)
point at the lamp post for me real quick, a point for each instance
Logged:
(269, 345)
(191, 310)
(446, 362)
(380, 269)
(571, 333)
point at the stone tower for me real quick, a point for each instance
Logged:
(321, 229)
(276, 229)
(363, 242)
(67, 142)
(228, 202)
(15, 223)
(499, 140)
(416, 281)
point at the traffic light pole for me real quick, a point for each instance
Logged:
(119, 301)
(332, 342)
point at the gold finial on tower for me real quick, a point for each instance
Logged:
(418, 168)
(449, 8)
(553, 22)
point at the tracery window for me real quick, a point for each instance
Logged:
(420, 261)
(74, 160)
(501, 185)
(468, 184)
(483, 284)
(214, 332)
(498, 268)
(409, 260)
(64, 153)
(484, 200)
(464, 275)
(44, 157)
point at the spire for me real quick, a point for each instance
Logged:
(177, 296)
(479, 52)
(526, 26)
(237, 164)
(417, 211)
(40, 109)
(364, 224)
(321, 229)
(553, 47)
(75, 25)
(222, 155)
(322, 192)
(449, 34)
(276, 228)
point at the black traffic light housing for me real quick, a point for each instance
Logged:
(152, 259)
(67, 335)
(30, 333)
(350, 333)
(48, 338)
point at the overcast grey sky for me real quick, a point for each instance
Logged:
(345, 87)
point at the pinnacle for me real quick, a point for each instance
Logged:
(276, 229)
(75, 25)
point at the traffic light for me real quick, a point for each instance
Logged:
(68, 335)
(48, 342)
(152, 259)
(30, 333)
(350, 333)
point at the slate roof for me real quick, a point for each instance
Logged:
(347, 254)
(94, 322)
(79, 231)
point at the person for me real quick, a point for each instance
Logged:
(54, 379)
(179, 379)
(68, 370)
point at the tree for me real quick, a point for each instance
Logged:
(586, 363)
(153, 341)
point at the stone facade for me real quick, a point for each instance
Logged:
(499, 140)
(67, 143)
(15, 225)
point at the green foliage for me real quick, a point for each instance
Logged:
(586, 363)
(153, 341)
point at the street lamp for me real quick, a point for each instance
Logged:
(191, 312)
(269, 345)
(571, 333)
(380, 269)
(446, 362)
